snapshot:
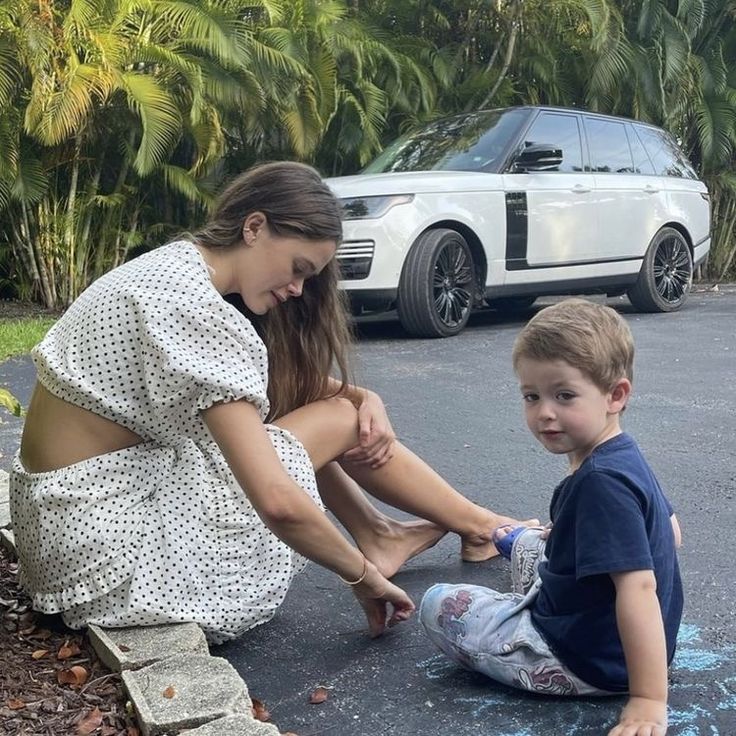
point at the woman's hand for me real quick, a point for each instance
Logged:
(384, 603)
(375, 431)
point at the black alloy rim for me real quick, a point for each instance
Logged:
(672, 270)
(453, 276)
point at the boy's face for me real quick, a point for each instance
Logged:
(566, 411)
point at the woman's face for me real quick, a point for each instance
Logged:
(273, 268)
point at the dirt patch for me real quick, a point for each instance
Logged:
(51, 680)
(11, 309)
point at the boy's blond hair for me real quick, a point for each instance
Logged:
(591, 337)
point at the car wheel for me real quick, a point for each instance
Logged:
(437, 285)
(666, 275)
(511, 304)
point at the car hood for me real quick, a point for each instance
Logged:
(417, 182)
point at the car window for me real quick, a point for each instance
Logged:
(667, 158)
(609, 146)
(474, 142)
(642, 164)
(561, 131)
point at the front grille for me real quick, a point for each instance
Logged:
(355, 260)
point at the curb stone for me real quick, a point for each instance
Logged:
(185, 691)
(209, 697)
(233, 726)
(138, 646)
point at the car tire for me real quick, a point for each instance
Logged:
(437, 285)
(666, 274)
(511, 304)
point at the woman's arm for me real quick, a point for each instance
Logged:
(291, 515)
(640, 626)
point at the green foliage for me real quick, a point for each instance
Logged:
(121, 118)
(18, 336)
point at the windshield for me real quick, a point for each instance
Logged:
(473, 142)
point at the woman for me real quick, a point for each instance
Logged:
(167, 466)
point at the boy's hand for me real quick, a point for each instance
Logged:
(642, 717)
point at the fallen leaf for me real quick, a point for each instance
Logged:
(28, 631)
(169, 692)
(260, 712)
(39, 653)
(68, 650)
(15, 703)
(91, 722)
(123, 648)
(76, 675)
(319, 695)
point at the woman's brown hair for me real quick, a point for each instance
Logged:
(306, 338)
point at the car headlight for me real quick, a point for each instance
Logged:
(366, 208)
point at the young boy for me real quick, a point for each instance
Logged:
(602, 616)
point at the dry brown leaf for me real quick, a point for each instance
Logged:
(91, 722)
(68, 650)
(76, 675)
(260, 712)
(39, 653)
(42, 634)
(319, 695)
(169, 692)
(28, 631)
(15, 703)
(123, 648)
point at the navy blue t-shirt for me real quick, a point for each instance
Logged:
(609, 516)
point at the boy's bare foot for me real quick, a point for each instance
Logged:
(391, 543)
(480, 547)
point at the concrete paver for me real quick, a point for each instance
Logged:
(233, 726)
(185, 691)
(136, 647)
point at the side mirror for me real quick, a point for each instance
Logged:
(538, 157)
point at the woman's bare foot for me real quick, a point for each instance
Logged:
(480, 547)
(391, 543)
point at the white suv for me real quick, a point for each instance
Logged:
(498, 207)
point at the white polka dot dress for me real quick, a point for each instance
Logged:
(160, 532)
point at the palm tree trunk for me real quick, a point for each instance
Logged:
(69, 249)
(47, 293)
(515, 25)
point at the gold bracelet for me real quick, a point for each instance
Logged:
(361, 578)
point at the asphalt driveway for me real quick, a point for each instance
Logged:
(455, 402)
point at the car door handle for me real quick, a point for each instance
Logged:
(649, 189)
(580, 189)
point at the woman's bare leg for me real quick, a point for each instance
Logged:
(386, 542)
(408, 483)
(328, 428)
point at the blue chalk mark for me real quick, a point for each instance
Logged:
(688, 634)
(728, 688)
(698, 660)
(437, 667)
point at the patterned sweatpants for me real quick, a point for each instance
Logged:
(492, 633)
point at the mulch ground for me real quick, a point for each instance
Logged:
(51, 680)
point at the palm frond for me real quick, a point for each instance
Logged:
(30, 183)
(10, 75)
(182, 181)
(159, 116)
(715, 120)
